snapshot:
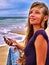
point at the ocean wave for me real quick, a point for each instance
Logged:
(9, 32)
(4, 31)
(13, 28)
(8, 26)
(17, 37)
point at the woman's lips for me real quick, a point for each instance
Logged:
(32, 19)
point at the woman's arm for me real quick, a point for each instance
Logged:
(41, 50)
(20, 46)
(12, 42)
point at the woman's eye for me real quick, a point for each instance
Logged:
(30, 12)
(37, 12)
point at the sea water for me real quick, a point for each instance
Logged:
(9, 25)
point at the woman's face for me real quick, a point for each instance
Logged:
(36, 15)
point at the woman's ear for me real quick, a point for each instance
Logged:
(46, 18)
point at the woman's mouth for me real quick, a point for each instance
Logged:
(32, 19)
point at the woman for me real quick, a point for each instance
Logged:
(35, 50)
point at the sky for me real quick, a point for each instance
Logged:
(15, 8)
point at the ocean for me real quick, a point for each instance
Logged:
(12, 24)
(9, 25)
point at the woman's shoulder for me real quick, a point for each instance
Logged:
(41, 34)
(40, 31)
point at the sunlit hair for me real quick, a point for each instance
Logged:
(30, 30)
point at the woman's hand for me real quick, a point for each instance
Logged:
(19, 61)
(10, 42)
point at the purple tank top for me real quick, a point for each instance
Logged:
(30, 49)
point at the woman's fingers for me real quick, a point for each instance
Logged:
(18, 61)
(14, 43)
(7, 41)
(12, 40)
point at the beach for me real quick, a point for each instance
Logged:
(3, 54)
(13, 28)
(19, 36)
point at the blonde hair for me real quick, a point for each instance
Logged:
(30, 30)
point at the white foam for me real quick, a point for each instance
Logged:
(4, 30)
(17, 37)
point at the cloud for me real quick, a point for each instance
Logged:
(13, 3)
(13, 13)
(4, 3)
(21, 1)
(16, 7)
(13, 7)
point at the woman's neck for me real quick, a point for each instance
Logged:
(37, 27)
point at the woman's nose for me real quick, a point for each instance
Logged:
(32, 15)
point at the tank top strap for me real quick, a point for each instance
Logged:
(42, 32)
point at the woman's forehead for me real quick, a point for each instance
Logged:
(35, 8)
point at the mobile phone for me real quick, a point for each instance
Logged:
(4, 37)
(9, 40)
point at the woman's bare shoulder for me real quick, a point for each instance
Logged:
(40, 40)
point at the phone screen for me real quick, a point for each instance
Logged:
(4, 37)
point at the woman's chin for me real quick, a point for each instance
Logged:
(31, 22)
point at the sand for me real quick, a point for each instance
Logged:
(3, 54)
(4, 50)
